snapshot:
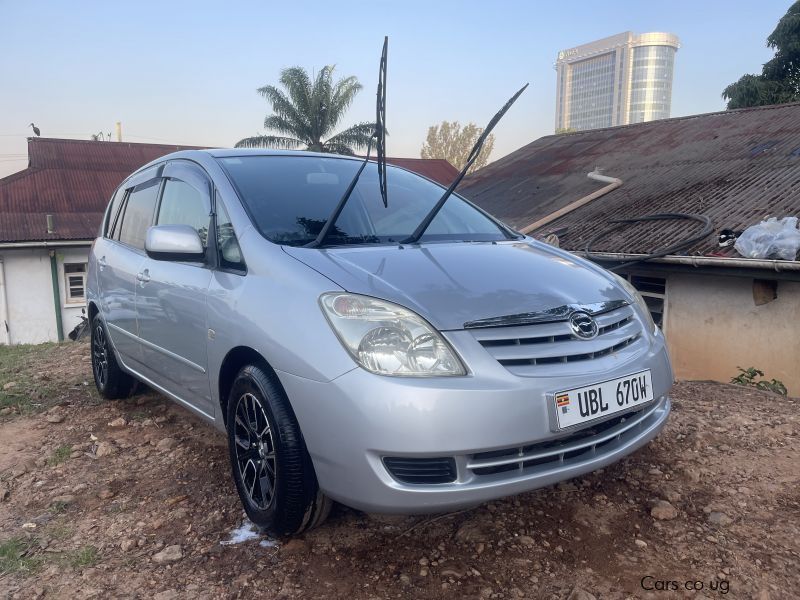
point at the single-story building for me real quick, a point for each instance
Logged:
(49, 215)
(718, 309)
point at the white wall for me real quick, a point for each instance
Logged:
(70, 313)
(3, 306)
(29, 294)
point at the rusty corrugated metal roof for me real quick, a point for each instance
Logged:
(71, 180)
(437, 169)
(74, 179)
(737, 167)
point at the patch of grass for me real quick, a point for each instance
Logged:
(60, 530)
(18, 364)
(83, 557)
(59, 455)
(17, 556)
(138, 415)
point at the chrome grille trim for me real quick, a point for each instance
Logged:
(549, 315)
(554, 343)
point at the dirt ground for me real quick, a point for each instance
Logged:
(133, 499)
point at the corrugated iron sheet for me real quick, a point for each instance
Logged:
(74, 179)
(737, 167)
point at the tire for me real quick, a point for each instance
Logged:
(270, 464)
(112, 382)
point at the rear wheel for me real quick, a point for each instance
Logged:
(271, 466)
(111, 381)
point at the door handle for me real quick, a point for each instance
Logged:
(143, 277)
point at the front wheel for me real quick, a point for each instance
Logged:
(271, 466)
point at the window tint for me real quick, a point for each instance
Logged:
(116, 202)
(230, 256)
(182, 204)
(139, 213)
(291, 197)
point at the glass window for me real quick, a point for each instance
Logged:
(291, 197)
(139, 213)
(230, 255)
(182, 204)
(75, 282)
(111, 217)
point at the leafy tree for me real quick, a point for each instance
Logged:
(453, 143)
(306, 114)
(779, 81)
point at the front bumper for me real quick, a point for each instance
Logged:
(495, 420)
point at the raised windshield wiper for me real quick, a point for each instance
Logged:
(331, 221)
(380, 125)
(380, 134)
(473, 156)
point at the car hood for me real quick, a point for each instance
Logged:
(451, 284)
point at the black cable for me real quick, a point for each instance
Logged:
(708, 228)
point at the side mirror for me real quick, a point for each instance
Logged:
(174, 242)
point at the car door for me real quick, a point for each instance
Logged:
(120, 255)
(171, 295)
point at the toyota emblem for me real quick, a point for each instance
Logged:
(583, 325)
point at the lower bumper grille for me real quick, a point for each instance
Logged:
(421, 470)
(581, 445)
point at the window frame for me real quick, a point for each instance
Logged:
(69, 301)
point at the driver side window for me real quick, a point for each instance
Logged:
(182, 204)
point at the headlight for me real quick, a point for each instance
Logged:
(388, 339)
(644, 310)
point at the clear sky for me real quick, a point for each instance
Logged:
(186, 72)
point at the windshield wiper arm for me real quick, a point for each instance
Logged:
(473, 156)
(380, 134)
(331, 221)
(380, 125)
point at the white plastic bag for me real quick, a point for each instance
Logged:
(772, 238)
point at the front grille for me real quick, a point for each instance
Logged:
(580, 445)
(522, 349)
(421, 470)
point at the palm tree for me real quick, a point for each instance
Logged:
(307, 114)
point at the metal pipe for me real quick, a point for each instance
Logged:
(613, 183)
(700, 261)
(45, 244)
(5, 334)
(56, 295)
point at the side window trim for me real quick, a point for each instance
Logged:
(117, 218)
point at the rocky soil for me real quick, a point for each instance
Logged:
(133, 499)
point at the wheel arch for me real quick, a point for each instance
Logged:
(234, 360)
(92, 310)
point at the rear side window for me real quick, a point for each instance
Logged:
(139, 213)
(183, 204)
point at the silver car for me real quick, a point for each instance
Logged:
(392, 377)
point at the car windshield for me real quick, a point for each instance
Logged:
(291, 197)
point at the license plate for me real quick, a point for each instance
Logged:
(584, 404)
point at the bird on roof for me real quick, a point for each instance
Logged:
(36, 130)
